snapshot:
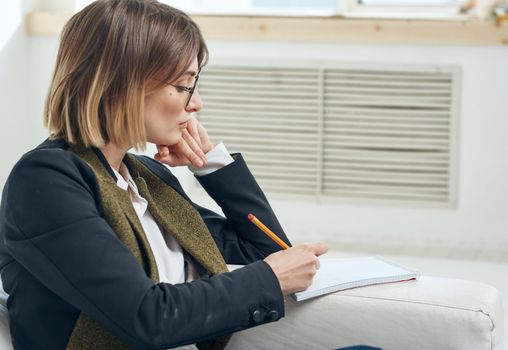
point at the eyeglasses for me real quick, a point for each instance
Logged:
(189, 90)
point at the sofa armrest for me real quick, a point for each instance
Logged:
(5, 336)
(431, 313)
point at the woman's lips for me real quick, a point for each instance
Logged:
(183, 125)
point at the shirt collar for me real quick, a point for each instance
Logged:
(140, 204)
(121, 176)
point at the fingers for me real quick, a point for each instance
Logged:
(176, 156)
(163, 155)
(194, 147)
(317, 248)
(191, 149)
(192, 128)
(184, 150)
(203, 137)
(163, 151)
(171, 159)
(296, 267)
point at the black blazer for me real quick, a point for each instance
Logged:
(58, 257)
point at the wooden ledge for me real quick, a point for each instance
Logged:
(320, 29)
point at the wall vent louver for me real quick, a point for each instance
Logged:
(376, 132)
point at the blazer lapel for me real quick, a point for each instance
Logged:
(178, 217)
(172, 212)
(120, 214)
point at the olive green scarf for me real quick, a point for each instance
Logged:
(176, 216)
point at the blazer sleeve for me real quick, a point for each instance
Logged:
(236, 191)
(52, 225)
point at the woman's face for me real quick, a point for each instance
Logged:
(165, 111)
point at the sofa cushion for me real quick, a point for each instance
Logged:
(431, 313)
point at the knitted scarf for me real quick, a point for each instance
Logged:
(172, 212)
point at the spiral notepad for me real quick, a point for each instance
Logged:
(345, 273)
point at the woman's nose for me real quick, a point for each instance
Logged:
(195, 104)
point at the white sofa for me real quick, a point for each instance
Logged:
(428, 314)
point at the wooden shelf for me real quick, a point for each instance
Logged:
(316, 29)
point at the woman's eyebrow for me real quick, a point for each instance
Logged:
(190, 73)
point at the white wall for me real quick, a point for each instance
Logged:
(14, 85)
(41, 70)
(477, 228)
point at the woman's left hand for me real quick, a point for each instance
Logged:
(191, 148)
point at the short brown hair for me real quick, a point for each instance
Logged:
(111, 54)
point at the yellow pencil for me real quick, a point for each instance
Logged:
(266, 230)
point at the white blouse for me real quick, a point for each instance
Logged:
(168, 254)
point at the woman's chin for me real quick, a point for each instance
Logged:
(166, 140)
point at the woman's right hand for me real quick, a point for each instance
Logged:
(295, 267)
(191, 149)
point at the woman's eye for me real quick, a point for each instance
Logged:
(186, 82)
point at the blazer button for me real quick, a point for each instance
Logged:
(256, 316)
(273, 315)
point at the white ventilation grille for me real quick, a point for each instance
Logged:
(352, 132)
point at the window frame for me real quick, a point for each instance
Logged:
(248, 8)
(355, 9)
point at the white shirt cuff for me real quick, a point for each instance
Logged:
(218, 157)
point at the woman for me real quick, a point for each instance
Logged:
(103, 249)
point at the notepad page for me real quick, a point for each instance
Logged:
(337, 274)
